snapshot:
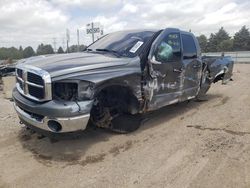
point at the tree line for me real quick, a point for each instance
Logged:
(42, 49)
(217, 42)
(222, 42)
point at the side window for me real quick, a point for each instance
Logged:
(189, 48)
(168, 49)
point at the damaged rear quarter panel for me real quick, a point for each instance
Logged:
(219, 65)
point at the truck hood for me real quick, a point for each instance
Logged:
(62, 64)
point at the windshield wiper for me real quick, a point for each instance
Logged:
(109, 51)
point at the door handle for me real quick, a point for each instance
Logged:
(197, 66)
(178, 70)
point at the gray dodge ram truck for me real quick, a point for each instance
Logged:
(118, 77)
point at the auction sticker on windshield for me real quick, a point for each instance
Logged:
(136, 47)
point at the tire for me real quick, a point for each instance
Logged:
(125, 123)
(204, 85)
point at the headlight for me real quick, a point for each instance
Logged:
(85, 90)
(72, 91)
(65, 91)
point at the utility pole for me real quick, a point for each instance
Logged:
(63, 43)
(67, 46)
(54, 44)
(78, 43)
(93, 36)
(68, 39)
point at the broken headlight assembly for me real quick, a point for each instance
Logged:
(85, 90)
(73, 91)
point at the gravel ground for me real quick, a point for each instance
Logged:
(191, 144)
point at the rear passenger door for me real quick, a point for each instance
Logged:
(192, 66)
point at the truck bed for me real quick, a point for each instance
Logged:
(220, 67)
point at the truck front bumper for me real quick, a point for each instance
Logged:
(52, 116)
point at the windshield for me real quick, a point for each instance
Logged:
(122, 43)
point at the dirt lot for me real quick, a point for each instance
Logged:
(195, 144)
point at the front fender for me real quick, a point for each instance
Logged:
(131, 81)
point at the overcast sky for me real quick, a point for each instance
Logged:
(30, 22)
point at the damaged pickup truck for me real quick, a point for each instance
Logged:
(118, 77)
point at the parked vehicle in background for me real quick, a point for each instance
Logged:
(7, 70)
(120, 76)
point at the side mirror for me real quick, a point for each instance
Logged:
(154, 61)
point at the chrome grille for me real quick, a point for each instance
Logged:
(36, 91)
(33, 82)
(36, 79)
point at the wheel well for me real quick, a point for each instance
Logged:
(205, 66)
(124, 95)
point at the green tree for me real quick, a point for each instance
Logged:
(20, 48)
(10, 53)
(60, 50)
(73, 48)
(44, 49)
(203, 42)
(225, 46)
(242, 40)
(222, 35)
(28, 52)
(212, 43)
(82, 48)
(21, 51)
(40, 49)
(216, 39)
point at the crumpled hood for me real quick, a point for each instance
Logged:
(61, 64)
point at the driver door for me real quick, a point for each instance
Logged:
(165, 69)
